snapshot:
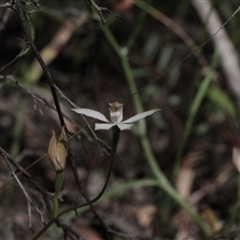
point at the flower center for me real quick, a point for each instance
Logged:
(116, 112)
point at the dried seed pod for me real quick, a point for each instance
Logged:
(57, 150)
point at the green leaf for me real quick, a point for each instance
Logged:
(218, 97)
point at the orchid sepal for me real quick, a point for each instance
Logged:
(140, 116)
(103, 126)
(124, 126)
(91, 113)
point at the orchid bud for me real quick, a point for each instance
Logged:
(57, 150)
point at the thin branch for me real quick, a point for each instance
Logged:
(10, 63)
(67, 230)
(75, 106)
(29, 200)
(40, 60)
(43, 191)
(101, 9)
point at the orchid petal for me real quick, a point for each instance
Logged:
(140, 116)
(91, 113)
(123, 126)
(103, 126)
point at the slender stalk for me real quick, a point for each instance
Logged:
(199, 96)
(137, 29)
(30, 42)
(58, 187)
(116, 134)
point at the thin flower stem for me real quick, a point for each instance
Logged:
(122, 53)
(137, 29)
(116, 134)
(111, 39)
(58, 187)
(136, 98)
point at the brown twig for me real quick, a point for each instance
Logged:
(31, 43)
(29, 200)
(101, 9)
(43, 191)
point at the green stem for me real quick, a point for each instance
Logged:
(195, 105)
(111, 39)
(58, 187)
(137, 29)
(167, 187)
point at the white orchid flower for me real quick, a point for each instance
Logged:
(116, 116)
